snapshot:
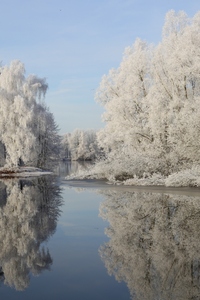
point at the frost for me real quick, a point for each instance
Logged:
(155, 179)
(152, 110)
(28, 133)
(80, 145)
(189, 177)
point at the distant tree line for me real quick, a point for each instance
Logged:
(80, 145)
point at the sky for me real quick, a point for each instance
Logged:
(73, 43)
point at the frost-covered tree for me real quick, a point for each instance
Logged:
(47, 139)
(174, 97)
(152, 104)
(23, 115)
(123, 93)
(80, 145)
(65, 146)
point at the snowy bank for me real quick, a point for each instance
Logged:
(22, 172)
(186, 178)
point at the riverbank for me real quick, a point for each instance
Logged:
(103, 184)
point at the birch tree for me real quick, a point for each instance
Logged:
(20, 122)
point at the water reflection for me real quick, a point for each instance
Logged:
(154, 244)
(65, 168)
(29, 212)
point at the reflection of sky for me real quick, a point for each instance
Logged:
(80, 216)
(79, 235)
(77, 271)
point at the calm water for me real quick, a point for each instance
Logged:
(60, 243)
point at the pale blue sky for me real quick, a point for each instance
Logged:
(73, 43)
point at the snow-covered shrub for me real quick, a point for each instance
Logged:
(188, 177)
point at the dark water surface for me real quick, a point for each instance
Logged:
(58, 242)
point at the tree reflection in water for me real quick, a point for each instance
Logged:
(154, 244)
(29, 211)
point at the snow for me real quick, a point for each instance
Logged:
(22, 172)
(186, 178)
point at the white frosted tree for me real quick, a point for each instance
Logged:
(151, 101)
(20, 98)
(47, 138)
(80, 145)
(174, 96)
(123, 93)
(65, 146)
(127, 137)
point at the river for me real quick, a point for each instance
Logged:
(89, 240)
